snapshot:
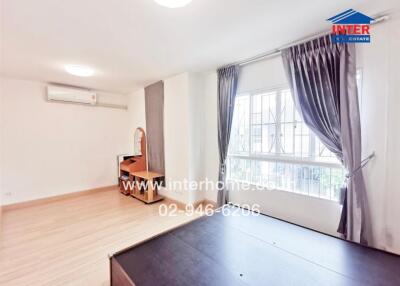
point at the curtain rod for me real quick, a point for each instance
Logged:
(277, 52)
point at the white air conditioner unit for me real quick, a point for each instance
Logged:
(68, 94)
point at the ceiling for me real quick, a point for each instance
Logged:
(132, 43)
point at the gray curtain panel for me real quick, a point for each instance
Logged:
(322, 76)
(154, 105)
(227, 86)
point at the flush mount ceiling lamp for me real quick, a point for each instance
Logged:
(173, 3)
(79, 70)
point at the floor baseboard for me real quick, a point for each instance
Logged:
(37, 202)
(55, 198)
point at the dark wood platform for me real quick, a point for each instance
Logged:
(249, 250)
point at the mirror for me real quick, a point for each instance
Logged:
(139, 134)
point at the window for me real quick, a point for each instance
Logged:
(271, 147)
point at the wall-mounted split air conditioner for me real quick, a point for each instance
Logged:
(71, 95)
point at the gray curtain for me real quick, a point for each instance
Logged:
(227, 86)
(154, 105)
(322, 76)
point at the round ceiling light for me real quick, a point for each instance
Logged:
(78, 70)
(173, 3)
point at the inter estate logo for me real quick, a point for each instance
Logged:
(351, 26)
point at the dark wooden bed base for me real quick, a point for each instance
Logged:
(250, 250)
(118, 275)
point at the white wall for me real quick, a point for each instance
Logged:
(380, 109)
(52, 148)
(1, 121)
(137, 115)
(1, 145)
(184, 136)
(211, 156)
(196, 135)
(176, 134)
(391, 231)
(260, 75)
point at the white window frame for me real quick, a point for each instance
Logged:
(279, 157)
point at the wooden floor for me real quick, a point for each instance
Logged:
(67, 242)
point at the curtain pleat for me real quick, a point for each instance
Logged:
(227, 87)
(322, 76)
